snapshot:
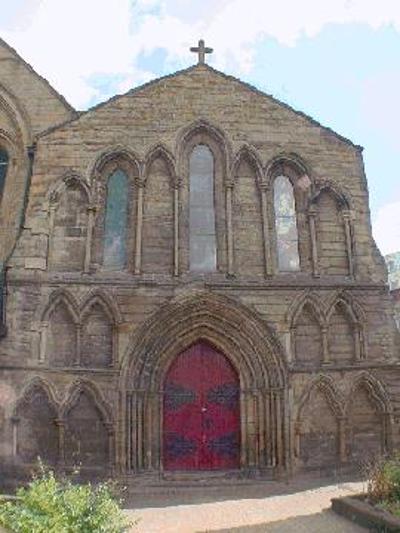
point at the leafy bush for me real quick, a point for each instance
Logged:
(383, 487)
(51, 505)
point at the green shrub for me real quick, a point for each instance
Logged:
(383, 487)
(51, 505)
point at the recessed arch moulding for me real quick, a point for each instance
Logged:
(251, 347)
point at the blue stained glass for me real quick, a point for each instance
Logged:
(116, 221)
(203, 246)
(286, 225)
(3, 169)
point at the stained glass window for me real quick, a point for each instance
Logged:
(3, 169)
(116, 221)
(286, 225)
(203, 246)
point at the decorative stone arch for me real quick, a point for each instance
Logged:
(375, 389)
(104, 165)
(75, 391)
(37, 382)
(357, 318)
(207, 129)
(202, 132)
(100, 298)
(111, 154)
(342, 197)
(344, 203)
(58, 297)
(16, 139)
(27, 394)
(70, 178)
(291, 165)
(248, 153)
(328, 387)
(83, 385)
(251, 256)
(253, 350)
(67, 183)
(314, 303)
(160, 150)
(336, 403)
(294, 168)
(380, 399)
(18, 115)
(160, 213)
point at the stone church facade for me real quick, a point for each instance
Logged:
(189, 283)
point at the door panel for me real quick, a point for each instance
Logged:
(201, 412)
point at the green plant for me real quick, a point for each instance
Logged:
(52, 505)
(383, 487)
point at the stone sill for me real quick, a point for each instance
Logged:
(356, 509)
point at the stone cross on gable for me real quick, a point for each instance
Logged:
(202, 51)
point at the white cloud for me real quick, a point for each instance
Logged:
(69, 40)
(386, 228)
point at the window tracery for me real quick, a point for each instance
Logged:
(286, 225)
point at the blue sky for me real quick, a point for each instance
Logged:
(338, 61)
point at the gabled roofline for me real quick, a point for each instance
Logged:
(59, 96)
(248, 86)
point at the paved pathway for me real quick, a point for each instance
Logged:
(305, 511)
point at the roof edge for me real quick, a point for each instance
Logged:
(220, 73)
(58, 95)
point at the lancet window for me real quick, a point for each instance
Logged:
(286, 225)
(203, 242)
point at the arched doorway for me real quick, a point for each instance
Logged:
(239, 338)
(201, 413)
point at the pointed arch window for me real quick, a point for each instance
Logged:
(202, 234)
(4, 161)
(286, 225)
(115, 252)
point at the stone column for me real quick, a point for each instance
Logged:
(269, 270)
(110, 436)
(325, 346)
(89, 237)
(15, 422)
(297, 435)
(177, 186)
(342, 439)
(43, 341)
(349, 245)
(61, 440)
(139, 224)
(312, 213)
(387, 419)
(52, 214)
(229, 226)
(357, 347)
(77, 361)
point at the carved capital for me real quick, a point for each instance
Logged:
(178, 182)
(140, 182)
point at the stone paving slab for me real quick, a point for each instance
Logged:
(304, 511)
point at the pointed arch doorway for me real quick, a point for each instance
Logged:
(201, 411)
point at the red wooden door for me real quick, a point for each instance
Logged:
(201, 412)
